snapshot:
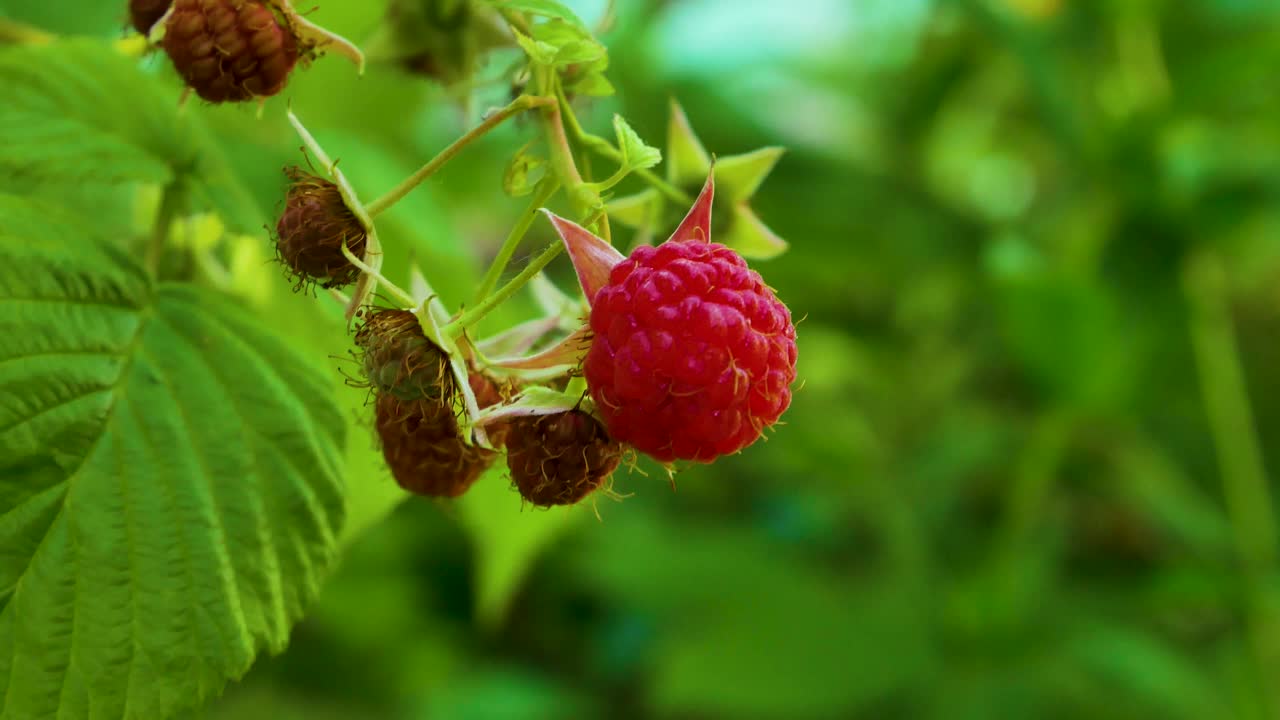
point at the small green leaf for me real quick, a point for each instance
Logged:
(524, 171)
(170, 481)
(63, 125)
(543, 8)
(738, 176)
(538, 51)
(579, 51)
(636, 155)
(751, 237)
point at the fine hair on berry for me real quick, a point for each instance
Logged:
(311, 231)
(561, 458)
(693, 356)
(231, 50)
(398, 359)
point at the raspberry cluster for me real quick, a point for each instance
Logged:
(415, 407)
(231, 50)
(693, 355)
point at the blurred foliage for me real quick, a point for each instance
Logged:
(1036, 247)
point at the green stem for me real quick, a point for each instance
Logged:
(605, 148)
(171, 202)
(387, 285)
(545, 190)
(1240, 463)
(494, 299)
(517, 106)
(562, 161)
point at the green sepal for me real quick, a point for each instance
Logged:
(687, 160)
(751, 237)
(738, 176)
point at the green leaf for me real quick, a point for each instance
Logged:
(538, 51)
(77, 112)
(591, 84)
(170, 481)
(542, 8)
(635, 153)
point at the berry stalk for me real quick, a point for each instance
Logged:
(493, 300)
(517, 106)
(171, 202)
(545, 190)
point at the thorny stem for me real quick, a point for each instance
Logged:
(517, 106)
(172, 200)
(545, 190)
(493, 300)
(1244, 477)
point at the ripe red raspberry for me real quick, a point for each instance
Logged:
(231, 50)
(145, 13)
(560, 459)
(311, 231)
(423, 448)
(693, 355)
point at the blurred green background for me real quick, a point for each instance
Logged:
(1036, 254)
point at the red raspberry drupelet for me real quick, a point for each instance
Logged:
(231, 50)
(693, 355)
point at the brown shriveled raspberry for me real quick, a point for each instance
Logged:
(145, 13)
(399, 360)
(231, 50)
(560, 459)
(310, 233)
(423, 448)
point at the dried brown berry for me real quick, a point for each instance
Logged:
(423, 448)
(560, 459)
(231, 50)
(145, 13)
(311, 231)
(398, 359)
